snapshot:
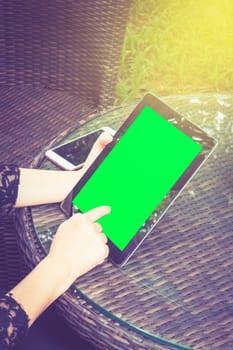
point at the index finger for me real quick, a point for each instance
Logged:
(97, 213)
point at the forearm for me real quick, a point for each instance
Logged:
(45, 186)
(40, 288)
(48, 186)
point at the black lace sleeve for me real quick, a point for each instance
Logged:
(13, 322)
(9, 182)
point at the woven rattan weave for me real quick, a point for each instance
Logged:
(63, 45)
(177, 290)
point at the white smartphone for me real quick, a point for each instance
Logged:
(72, 155)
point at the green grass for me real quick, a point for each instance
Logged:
(177, 47)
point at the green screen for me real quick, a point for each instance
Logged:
(137, 174)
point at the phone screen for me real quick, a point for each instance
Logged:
(137, 174)
(77, 151)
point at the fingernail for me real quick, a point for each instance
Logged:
(108, 208)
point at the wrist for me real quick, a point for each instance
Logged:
(60, 278)
(60, 273)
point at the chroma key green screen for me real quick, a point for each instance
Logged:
(137, 174)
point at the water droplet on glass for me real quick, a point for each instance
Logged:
(192, 193)
(219, 119)
(201, 111)
(195, 100)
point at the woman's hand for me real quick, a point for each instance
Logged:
(51, 186)
(104, 139)
(79, 244)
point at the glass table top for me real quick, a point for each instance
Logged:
(178, 286)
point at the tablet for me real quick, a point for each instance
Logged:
(140, 173)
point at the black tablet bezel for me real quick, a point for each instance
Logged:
(208, 144)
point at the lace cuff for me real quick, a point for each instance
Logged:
(13, 322)
(9, 182)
